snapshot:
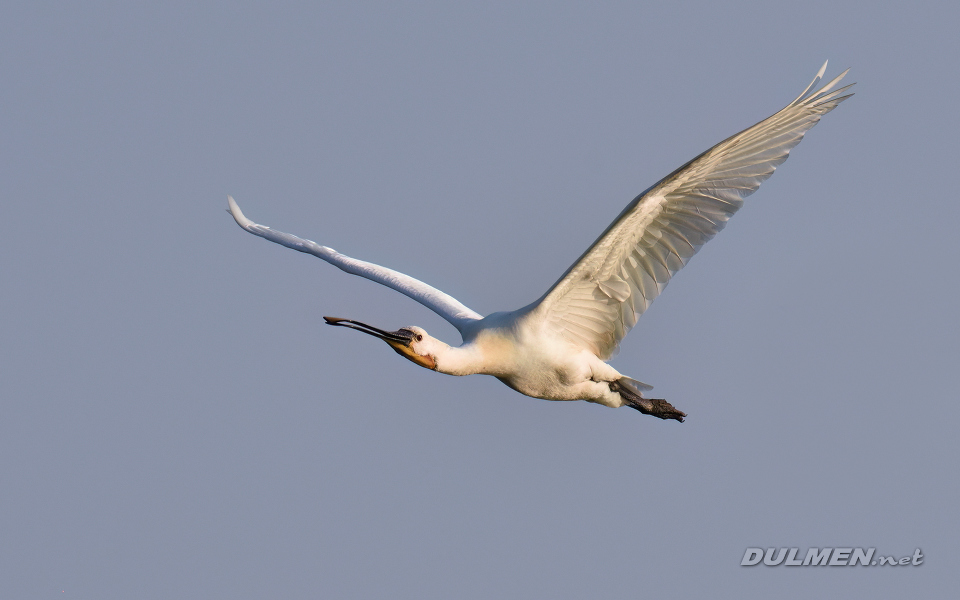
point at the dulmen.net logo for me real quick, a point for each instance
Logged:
(825, 557)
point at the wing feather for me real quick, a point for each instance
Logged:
(443, 304)
(600, 297)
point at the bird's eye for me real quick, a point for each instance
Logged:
(419, 338)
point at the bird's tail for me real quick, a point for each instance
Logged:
(636, 386)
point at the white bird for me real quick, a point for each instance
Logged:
(556, 347)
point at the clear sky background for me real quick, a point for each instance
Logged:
(176, 422)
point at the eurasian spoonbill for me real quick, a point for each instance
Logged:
(556, 347)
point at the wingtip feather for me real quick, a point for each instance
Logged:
(816, 98)
(237, 214)
(813, 84)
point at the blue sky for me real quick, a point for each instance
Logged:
(178, 423)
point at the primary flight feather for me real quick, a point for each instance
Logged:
(555, 348)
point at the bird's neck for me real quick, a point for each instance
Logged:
(465, 360)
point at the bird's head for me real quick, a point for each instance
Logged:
(412, 343)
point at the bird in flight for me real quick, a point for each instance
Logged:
(556, 348)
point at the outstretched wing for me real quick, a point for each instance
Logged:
(443, 304)
(600, 297)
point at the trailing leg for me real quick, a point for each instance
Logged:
(649, 406)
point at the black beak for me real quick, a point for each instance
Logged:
(402, 336)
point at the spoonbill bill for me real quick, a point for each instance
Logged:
(556, 348)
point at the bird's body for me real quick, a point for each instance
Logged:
(556, 347)
(520, 352)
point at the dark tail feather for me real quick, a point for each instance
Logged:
(649, 406)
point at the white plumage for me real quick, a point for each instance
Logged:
(555, 348)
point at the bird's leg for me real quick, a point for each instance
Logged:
(649, 406)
